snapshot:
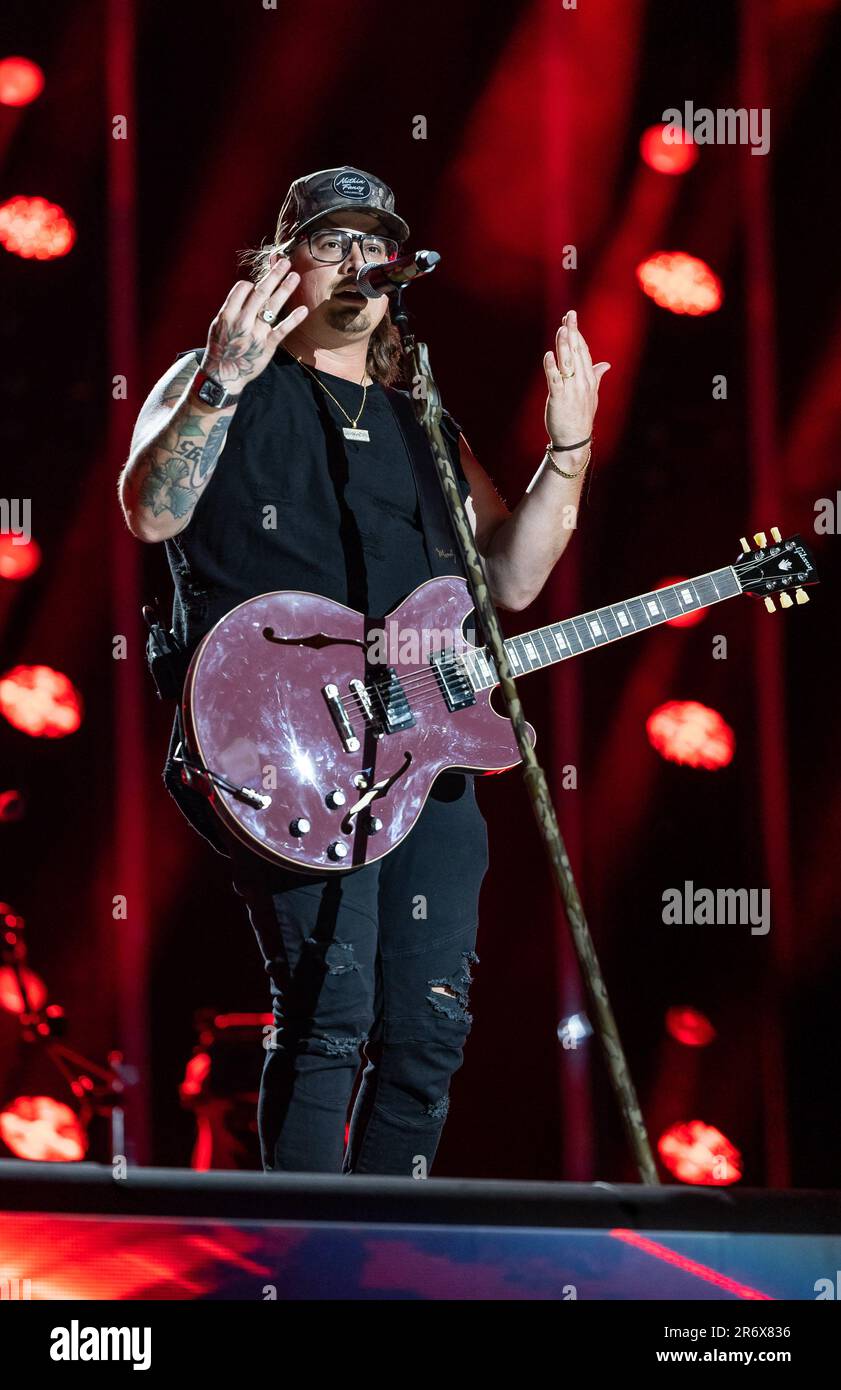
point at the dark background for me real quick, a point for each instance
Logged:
(521, 158)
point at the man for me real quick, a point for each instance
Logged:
(290, 408)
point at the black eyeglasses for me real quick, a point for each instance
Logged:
(330, 245)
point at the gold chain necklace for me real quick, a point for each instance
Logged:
(353, 432)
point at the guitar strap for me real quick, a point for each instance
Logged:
(442, 548)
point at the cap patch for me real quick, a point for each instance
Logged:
(352, 186)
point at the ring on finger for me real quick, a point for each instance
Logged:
(268, 315)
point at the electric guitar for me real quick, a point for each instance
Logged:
(317, 741)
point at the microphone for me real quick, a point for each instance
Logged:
(377, 280)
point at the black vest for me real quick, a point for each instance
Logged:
(293, 504)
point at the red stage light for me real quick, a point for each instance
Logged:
(10, 996)
(21, 81)
(667, 158)
(12, 806)
(699, 1153)
(34, 228)
(18, 561)
(680, 282)
(692, 616)
(43, 1130)
(684, 731)
(40, 701)
(196, 1073)
(689, 1026)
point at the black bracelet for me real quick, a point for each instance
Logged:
(565, 448)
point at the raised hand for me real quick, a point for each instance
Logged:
(241, 343)
(573, 383)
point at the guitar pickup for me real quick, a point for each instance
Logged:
(339, 715)
(390, 704)
(453, 680)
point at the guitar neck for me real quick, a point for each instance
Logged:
(544, 646)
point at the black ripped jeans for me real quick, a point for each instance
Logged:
(377, 959)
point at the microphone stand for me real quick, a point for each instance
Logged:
(428, 409)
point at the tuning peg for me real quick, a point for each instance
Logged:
(801, 596)
(744, 544)
(786, 601)
(760, 539)
(775, 533)
(769, 604)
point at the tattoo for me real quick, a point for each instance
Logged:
(166, 488)
(231, 355)
(176, 387)
(175, 483)
(210, 452)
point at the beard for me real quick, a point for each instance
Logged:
(348, 318)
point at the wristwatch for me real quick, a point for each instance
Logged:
(211, 392)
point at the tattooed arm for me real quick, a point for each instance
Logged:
(176, 446)
(178, 439)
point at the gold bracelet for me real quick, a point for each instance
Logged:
(551, 462)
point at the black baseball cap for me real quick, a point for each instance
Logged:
(333, 190)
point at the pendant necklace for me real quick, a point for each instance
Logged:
(350, 430)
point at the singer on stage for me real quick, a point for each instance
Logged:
(273, 459)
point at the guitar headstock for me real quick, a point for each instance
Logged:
(776, 567)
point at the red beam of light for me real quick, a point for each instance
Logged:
(35, 229)
(612, 317)
(664, 157)
(246, 180)
(556, 85)
(43, 1130)
(812, 447)
(617, 806)
(685, 731)
(21, 81)
(692, 615)
(40, 702)
(689, 1026)
(698, 1153)
(510, 116)
(613, 314)
(18, 559)
(681, 283)
(671, 1257)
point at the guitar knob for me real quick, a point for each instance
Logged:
(760, 539)
(299, 826)
(769, 604)
(775, 533)
(337, 850)
(801, 596)
(786, 601)
(373, 824)
(335, 798)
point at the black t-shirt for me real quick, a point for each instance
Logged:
(293, 504)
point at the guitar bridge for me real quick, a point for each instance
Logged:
(340, 718)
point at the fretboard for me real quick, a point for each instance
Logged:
(543, 646)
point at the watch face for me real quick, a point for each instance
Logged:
(211, 392)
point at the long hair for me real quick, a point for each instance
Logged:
(385, 354)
